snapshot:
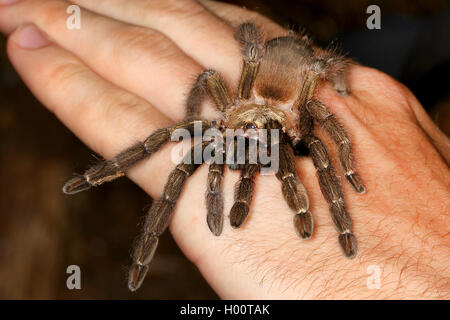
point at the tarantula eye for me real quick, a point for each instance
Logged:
(250, 125)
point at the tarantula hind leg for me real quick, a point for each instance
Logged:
(320, 112)
(332, 192)
(243, 195)
(158, 218)
(214, 199)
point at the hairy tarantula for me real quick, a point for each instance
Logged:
(276, 91)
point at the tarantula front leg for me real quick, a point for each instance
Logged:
(209, 81)
(110, 170)
(320, 112)
(294, 192)
(214, 200)
(331, 190)
(158, 217)
(252, 41)
(243, 195)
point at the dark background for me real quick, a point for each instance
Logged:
(43, 231)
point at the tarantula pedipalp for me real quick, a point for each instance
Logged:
(276, 91)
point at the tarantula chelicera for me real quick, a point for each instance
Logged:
(276, 91)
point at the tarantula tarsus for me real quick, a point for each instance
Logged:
(276, 90)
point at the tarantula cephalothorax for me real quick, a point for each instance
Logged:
(276, 91)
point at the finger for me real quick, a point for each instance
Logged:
(140, 60)
(194, 28)
(107, 118)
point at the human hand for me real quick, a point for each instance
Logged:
(126, 73)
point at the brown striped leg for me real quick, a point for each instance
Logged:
(158, 218)
(110, 170)
(340, 83)
(294, 192)
(335, 66)
(243, 195)
(320, 112)
(332, 192)
(252, 42)
(214, 199)
(209, 81)
(305, 128)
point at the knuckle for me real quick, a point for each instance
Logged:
(140, 42)
(64, 73)
(50, 12)
(170, 8)
(384, 86)
(255, 16)
(125, 111)
(118, 104)
(237, 15)
(124, 105)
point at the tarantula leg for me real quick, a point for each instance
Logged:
(337, 71)
(110, 170)
(335, 67)
(332, 192)
(320, 112)
(252, 43)
(305, 128)
(294, 192)
(243, 195)
(209, 81)
(158, 218)
(309, 87)
(214, 200)
(340, 83)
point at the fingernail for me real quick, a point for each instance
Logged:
(4, 2)
(29, 37)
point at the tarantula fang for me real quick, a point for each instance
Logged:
(276, 91)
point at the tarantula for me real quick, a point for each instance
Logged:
(276, 91)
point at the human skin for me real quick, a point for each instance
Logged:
(126, 73)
